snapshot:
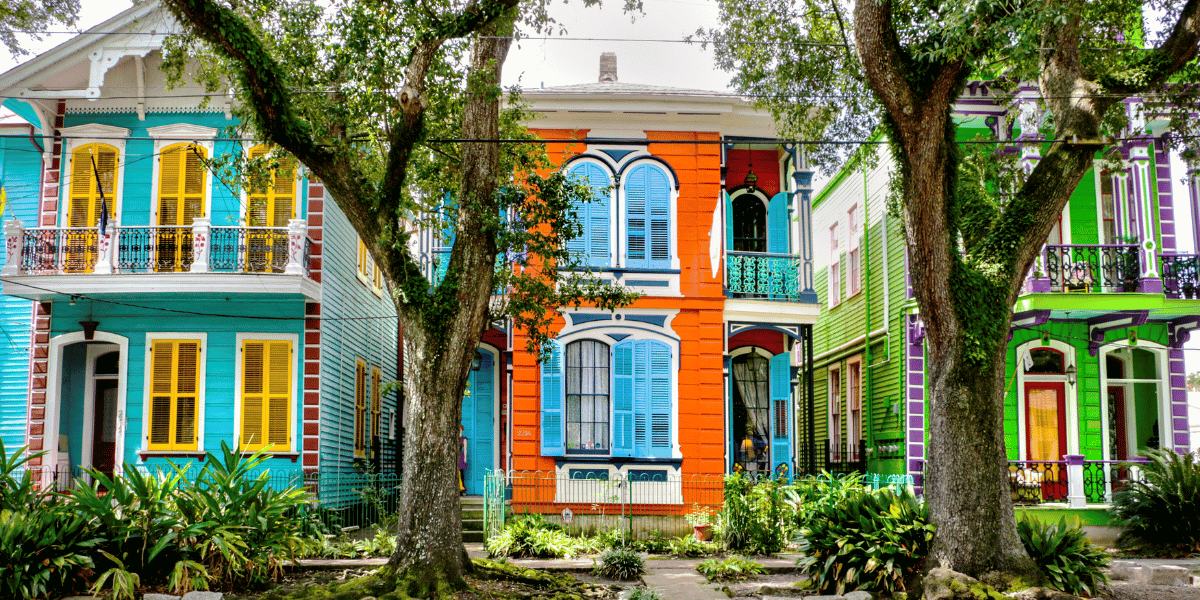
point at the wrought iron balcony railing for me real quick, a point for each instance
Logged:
(200, 248)
(762, 275)
(1090, 268)
(1180, 275)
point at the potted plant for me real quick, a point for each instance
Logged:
(701, 519)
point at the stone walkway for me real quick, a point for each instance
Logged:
(677, 579)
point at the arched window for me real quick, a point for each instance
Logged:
(648, 218)
(749, 224)
(592, 245)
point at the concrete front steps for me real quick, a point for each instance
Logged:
(472, 518)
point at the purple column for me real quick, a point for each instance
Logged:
(1166, 199)
(1180, 436)
(915, 401)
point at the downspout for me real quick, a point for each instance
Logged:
(867, 401)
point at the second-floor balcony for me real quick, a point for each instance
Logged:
(1114, 268)
(767, 276)
(82, 260)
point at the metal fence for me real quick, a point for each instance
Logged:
(1181, 275)
(1093, 267)
(596, 500)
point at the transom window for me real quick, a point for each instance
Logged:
(588, 376)
(1045, 361)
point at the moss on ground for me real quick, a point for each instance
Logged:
(386, 584)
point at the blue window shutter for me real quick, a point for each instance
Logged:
(777, 224)
(781, 420)
(660, 374)
(594, 215)
(635, 215)
(658, 201)
(552, 402)
(444, 243)
(641, 398)
(579, 246)
(728, 221)
(622, 428)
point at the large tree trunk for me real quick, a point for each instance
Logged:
(440, 341)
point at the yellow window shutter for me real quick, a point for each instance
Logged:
(193, 184)
(82, 188)
(170, 184)
(376, 402)
(359, 405)
(174, 394)
(280, 388)
(162, 360)
(284, 204)
(252, 395)
(188, 378)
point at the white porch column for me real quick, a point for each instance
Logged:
(1075, 496)
(1143, 197)
(105, 243)
(14, 235)
(1194, 197)
(297, 231)
(201, 244)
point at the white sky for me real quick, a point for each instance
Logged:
(534, 63)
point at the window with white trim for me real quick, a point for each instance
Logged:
(854, 277)
(360, 408)
(628, 387)
(853, 405)
(647, 217)
(267, 394)
(175, 392)
(835, 268)
(592, 246)
(835, 410)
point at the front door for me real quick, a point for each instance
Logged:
(104, 427)
(1046, 434)
(478, 420)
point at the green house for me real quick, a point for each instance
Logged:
(1095, 368)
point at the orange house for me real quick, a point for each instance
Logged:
(705, 213)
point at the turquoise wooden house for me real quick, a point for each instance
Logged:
(152, 312)
(1095, 369)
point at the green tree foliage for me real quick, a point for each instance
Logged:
(1193, 382)
(374, 98)
(835, 69)
(33, 17)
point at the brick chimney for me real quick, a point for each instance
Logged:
(608, 67)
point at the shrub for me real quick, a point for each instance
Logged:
(655, 544)
(734, 568)
(620, 564)
(1069, 561)
(870, 540)
(45, 551)
(811, 492)
(755, 519)
(689, 547)
(1161, 514)
(530, 536)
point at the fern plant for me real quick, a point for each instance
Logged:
(734, 568)
(1062, 551)
(620, 564)
(1161, 514)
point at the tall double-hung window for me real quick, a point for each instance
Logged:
(609, 400)
(175, 387)
(92, 191)
(181, 199)
(266, 394)
(592, 246)
(647, 218)
(270, 204)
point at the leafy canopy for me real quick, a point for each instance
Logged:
(350, 70)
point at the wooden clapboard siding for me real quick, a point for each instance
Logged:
(20, 175)
(356, 324)
(219, 355)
